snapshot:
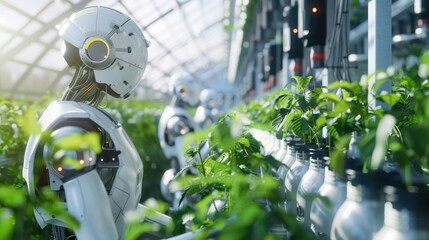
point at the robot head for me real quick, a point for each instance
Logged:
(186, 88)
(110, 44)
(209, 98)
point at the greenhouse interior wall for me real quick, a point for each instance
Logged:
(220, 119)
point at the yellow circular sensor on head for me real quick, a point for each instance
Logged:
(182, 90)
(97, 49)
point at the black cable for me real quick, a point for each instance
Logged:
(84, 79)
(347, 30)
(75, 77)
(339, 40)
(332, 54)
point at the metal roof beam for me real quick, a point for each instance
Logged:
(188, 27)
(32, 18)
(31, 66)
(154, 38)
(41, 31)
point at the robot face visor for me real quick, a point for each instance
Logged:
(97, 50)
(97, 53)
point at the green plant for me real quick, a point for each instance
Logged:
(409, 110)
(17, 122)
(235, 175)
(396, 131)
(293, 109)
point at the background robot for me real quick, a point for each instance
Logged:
(174, 124)
(109, 53)
(207, 113)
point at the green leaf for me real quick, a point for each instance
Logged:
(6, 130)
(321, 121)
(11, 196)
(50, 202)
(426, 108)
(341, 107)
(314, 97)
(333, 131)
(281, 100)
(7, 223)
(302, 81)
(278, 120)
(384, 129)
(390, 99)
(303, 103)
(191, 151)
(244, 141)
(192, 138)
(261, 126)
(279, 134)
(254, 145)
(29, 123)
(342, 84)
(366, 146)
(271, 161)
(382, 81)
(72, 162)
(338, 154)
(136, 230)
(222, 136)
(329, 96)
(287, 127)
(395, 146)
(424, 66)
(228, 27)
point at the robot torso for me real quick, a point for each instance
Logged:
(174, 124)
(118, 166)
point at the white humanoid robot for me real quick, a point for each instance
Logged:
(208, 111)
(109, 52)
(174, 124)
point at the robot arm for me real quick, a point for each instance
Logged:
(88, 202)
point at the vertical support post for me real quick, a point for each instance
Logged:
(330, 25)
(379, 45)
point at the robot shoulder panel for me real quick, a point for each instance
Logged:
(60, 119)
(66, 110)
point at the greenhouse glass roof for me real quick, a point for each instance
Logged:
(185, 36)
